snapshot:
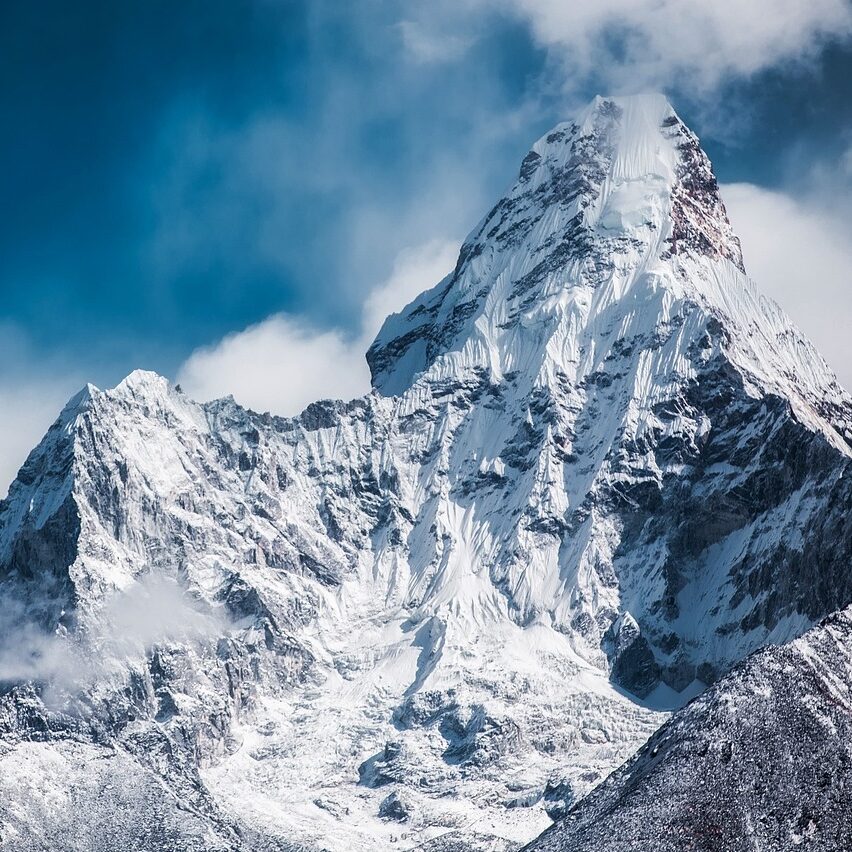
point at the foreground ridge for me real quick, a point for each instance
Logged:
(596, 471)
(759, 761)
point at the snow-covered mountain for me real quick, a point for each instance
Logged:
(597, 469)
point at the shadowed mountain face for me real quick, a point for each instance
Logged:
(597, 470)
(760, 761)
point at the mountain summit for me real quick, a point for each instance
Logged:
(597, 470)
(626, 179)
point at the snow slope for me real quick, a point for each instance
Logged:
(596, 470)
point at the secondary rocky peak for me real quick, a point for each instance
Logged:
(759, 761)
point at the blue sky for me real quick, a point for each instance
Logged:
(178, 172)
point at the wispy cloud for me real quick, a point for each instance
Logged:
(153, 610)
(274, 211)
(633, 44)
(846, 163)
(425, 45)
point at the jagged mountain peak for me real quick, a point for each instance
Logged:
(651, 157)
(610, 203)
(630, 130)
(759, 761)
(614, 229)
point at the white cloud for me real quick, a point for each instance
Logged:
(798, 252)
(281, 365)
(427, 46)
(415, 270)
(640, 43)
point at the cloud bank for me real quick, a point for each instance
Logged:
(798, 252)
(282, 364)
(651, 43)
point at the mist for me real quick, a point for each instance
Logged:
(154, 610)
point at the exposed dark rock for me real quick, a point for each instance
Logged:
(759, 761)
(394, 807)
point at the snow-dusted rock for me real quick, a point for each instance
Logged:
(596, 470)
(759, 761)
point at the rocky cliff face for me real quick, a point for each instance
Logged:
(596, 470)
(759, 761)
